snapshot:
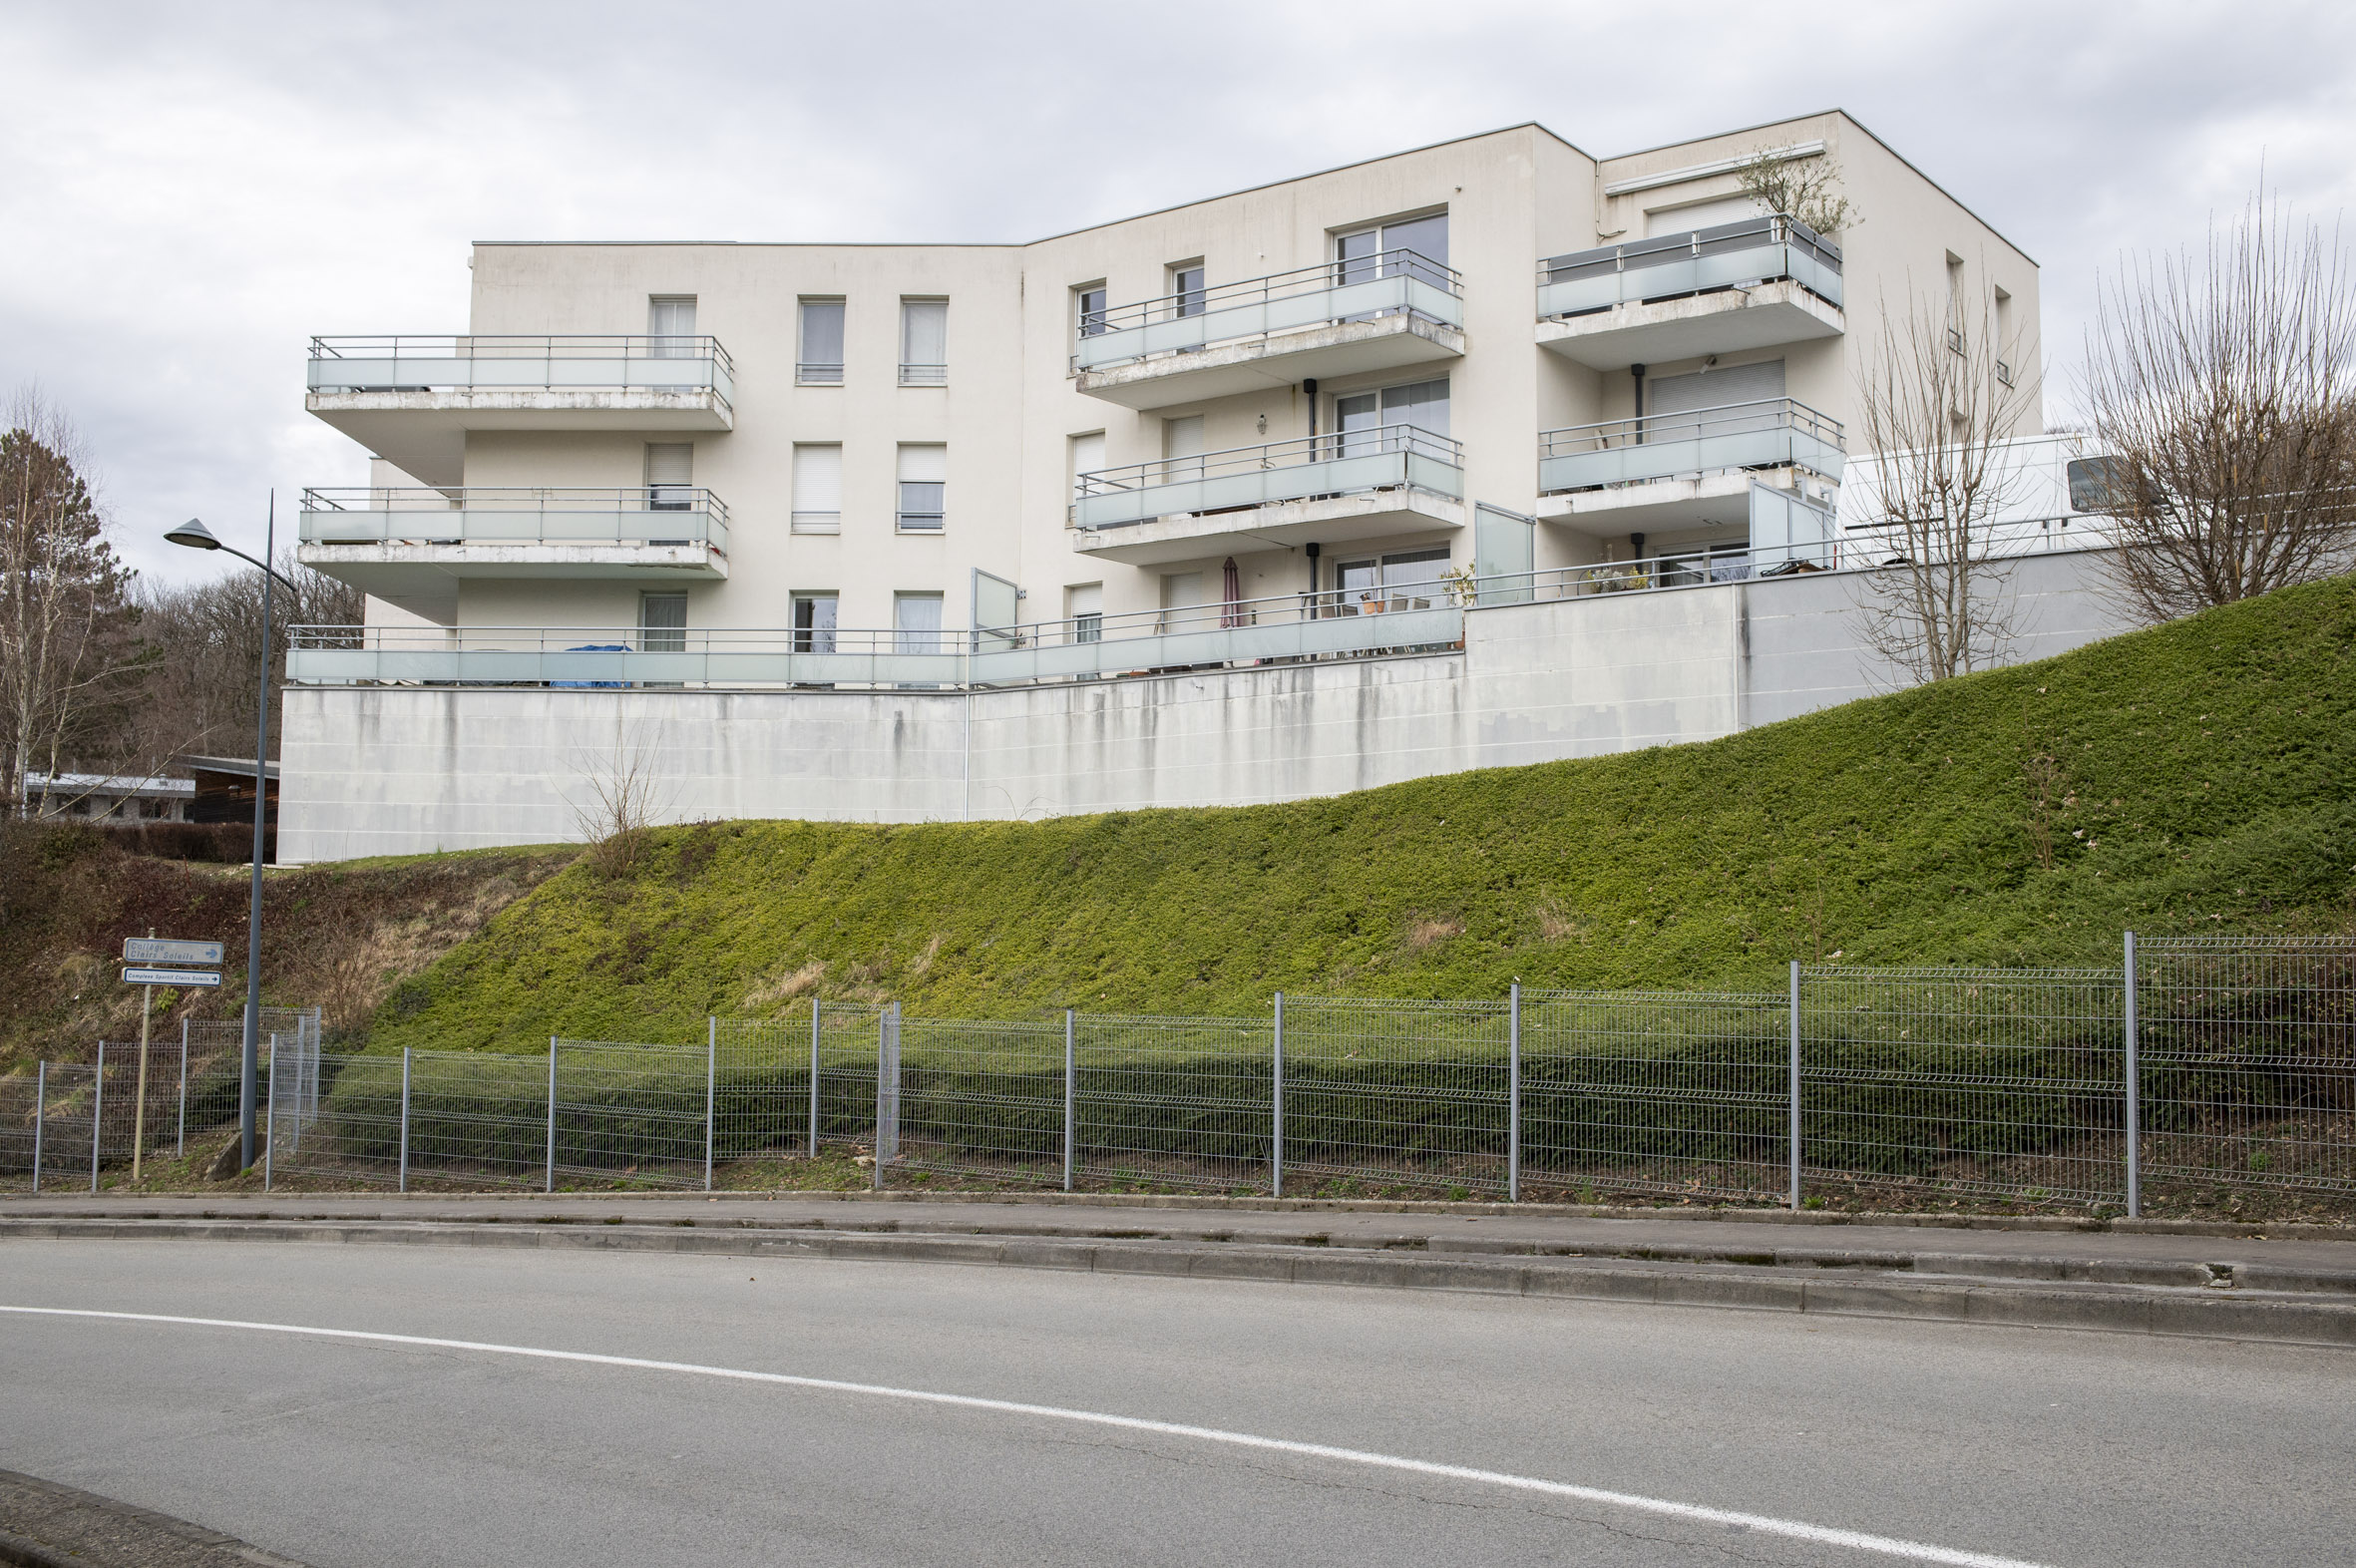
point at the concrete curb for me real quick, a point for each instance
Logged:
(2110, 1296)
(89, 1531)
(1729, 1213)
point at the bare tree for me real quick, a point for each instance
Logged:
(67, 653)
(1937, 400)
(198, 693)
(1804, 186)
(2224, 388)
(627, 799)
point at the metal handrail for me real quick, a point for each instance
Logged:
(1775, 412)
(1273, 454)
(477, 345)
(1660, 249)
(430, 502)
(1276, 286)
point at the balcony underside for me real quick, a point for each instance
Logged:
(1334, 519)
(1664, 505)
(1330, 349)
(411, 573)
(424, 433)
(1664, 331)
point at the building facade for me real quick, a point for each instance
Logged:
(847, 494)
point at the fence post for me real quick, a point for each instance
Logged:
(1795, 1128)
(2135, 1109)
(180, 1136)
(1276, 1141)
(814, 1021)
(552, 1113)
(711, 1080)
(40, 1117)
(1513, 1098)
(1070, 1124)
(404, 1118)
(886, 1090)
(98, 1103)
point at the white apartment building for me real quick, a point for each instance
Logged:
(1289, 490)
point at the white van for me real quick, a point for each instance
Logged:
(2051, 496)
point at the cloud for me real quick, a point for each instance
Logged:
(197, 189)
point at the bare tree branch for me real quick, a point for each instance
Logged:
(1936, 403)
(2225, 389)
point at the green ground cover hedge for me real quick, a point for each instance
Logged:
(2197, 777)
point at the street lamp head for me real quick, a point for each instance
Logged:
(194, 534)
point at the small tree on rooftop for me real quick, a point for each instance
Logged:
(2224, 388)
(1801, 186)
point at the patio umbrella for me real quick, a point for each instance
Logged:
(1232, 589)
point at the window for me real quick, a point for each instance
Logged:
(1087, 457)
(1366, 422)
(2099, 483)
(1182, 598)
(670, 473)
(1182, 448)
(663, 622)
(814, 622)
(1689, 407)
(671, 323)
(924, 343)
(1084, 607)
(818, 489)
(1186, 289)
(820, 360)
(1091, 310)
(923, 484)
(916, 623)
(1415, 248)
(1412, 580)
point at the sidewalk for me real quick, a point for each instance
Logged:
(2046, 1271)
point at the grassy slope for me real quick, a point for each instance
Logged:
(2207, 781)
(336, 936)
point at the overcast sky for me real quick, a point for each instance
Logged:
(193, 189)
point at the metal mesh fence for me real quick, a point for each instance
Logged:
(790, 1086)
(630, 1115)
(1920, 1083)
(211, 1050)
(476, 1119)
(1384, 1095)
(2248, 1064)
(980, 1099)
(1182, 1102)
(334, 1116)
(1653, 1092)
(20, 1104)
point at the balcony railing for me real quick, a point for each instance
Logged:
(1283, 629)
(1391, 457)
(1756, 249)
(640, 515)
(1388, 282)
(1772, 433)
(521, 364)
(1419, 618)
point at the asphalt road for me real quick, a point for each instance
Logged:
(2048, 1447)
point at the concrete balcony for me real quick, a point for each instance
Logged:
(1335, 489)
(1692, 469)
(1379, 312)
(411, 546)
(1750, 285)
(411, 400)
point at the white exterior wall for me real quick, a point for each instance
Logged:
(380, 770)
(408, 770)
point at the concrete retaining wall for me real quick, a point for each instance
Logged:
(403, 770)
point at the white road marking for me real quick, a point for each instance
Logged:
(1793, 1530)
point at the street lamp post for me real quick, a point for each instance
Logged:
(196, 536)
